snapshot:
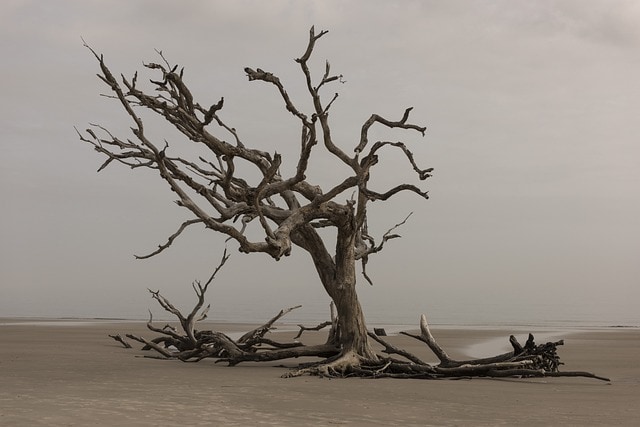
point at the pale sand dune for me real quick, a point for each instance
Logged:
(75, 375)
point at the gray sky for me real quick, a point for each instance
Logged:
(532, 114)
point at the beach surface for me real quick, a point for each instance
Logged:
(70, 373)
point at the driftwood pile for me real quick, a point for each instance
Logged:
(192, 345)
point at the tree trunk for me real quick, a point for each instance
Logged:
(342, 290)
(353, 329)
(338, 276)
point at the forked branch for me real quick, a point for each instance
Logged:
(375, 118)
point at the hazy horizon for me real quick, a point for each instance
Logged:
(531, 111)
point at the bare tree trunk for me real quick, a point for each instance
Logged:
(338, 276)
(353, 330)
(342, 290)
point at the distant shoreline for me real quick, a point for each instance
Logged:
(389, 328)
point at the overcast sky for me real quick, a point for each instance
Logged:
(532, 110)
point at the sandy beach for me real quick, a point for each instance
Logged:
(73, 374)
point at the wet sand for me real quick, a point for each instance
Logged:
(73, 374)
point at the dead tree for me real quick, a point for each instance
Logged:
(289, 210)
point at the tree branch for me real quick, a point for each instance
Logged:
(365, 244)
(375, 118)
(171, 238)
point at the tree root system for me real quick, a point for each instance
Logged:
(191, 345)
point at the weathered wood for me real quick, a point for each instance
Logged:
(391, 349)
(311, 328)
(286, 210)
(260, 331)
(121, 340)
(321, 350)
(530, 361)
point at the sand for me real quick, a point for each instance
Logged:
(72, 374)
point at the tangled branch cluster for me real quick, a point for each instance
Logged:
(191, 345)
(287, 208)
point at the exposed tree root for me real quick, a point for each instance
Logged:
(336, 367)
(539, 361)
(192, 345)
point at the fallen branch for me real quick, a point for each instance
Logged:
(260, 331)
(311, 328)
(121, 340)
